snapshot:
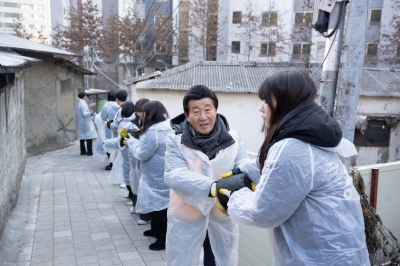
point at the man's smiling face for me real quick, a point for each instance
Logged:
(202, 115)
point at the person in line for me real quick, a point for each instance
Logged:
(153, 193)
(134, 177)
(84, 124)
(305, 195)
(120, 98)
(108, 113)
(201, 150)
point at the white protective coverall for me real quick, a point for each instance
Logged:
(134, 175)
(98, 152)
(153, 193)
(189, 173)
(308, 201)
(121, 167)
(108, 112)
(83, 120)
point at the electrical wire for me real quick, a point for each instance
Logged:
(326, 56)
(98, 69)
(337, 25)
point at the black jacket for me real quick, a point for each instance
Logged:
(180, 125)
(310, 124)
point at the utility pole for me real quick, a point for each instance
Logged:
(331, 65)
(348, 88)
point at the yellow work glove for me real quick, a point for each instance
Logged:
(123, 132)
(222, 189)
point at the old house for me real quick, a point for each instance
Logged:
(38, 94)
(236, 85)
(51, 91)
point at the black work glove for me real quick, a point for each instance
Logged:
(121, 142)
(223, 188)
(134, 133)
(109, 123)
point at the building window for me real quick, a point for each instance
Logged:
(66, 86)
(268, 49)
(375, 18)
(301, 50)
(303, 18)
(320, 52)
(235, 47)
(398, 51)
(161, 48)
(237, 17)
(377, 134)
(372, 49)
(269, 19)
(139, 47)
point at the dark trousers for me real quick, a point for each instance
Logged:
(159, 225)
(88, 144)
(133, 197)
(209, 259)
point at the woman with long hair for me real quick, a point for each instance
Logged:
(153, 193)
(304, 194)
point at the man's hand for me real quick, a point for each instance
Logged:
(223, 188)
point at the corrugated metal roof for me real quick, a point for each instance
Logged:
(11, 62)
(247, 77)
(14, 42)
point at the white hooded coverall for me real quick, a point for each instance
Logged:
(307, 200)
(189, 173)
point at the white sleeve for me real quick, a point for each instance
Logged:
(286, 180)
(191, 187)
(144, 148)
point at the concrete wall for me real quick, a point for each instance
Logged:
(388, 201)
(49, 113)
(241, 110)
(12, 149)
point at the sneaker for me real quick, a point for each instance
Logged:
(126, 196)
(83, 153)
(89, 154)
(157, 246)
(132, 210)
(109, 167)
(122, 186)
(129, 203)
(148, 233)
(141, 222)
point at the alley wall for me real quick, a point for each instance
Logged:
(12, 146)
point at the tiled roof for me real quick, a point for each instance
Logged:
(17, 43)
(247, 76)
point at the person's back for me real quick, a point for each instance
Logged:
(324, 219)
(109, 111)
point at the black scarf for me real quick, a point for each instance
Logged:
(206, 142)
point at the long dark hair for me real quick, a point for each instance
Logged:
(154, 112)
(290, 89)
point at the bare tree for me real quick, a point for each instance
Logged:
(302, 34)
(205, 28)
(390, 43)
(109, 44)
(84, 30)
(20, 28)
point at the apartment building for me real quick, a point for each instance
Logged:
(34, 15)
(279, 31)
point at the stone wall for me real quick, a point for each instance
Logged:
(12, 149)
(50, 105)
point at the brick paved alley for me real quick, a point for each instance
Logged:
(75, 217)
